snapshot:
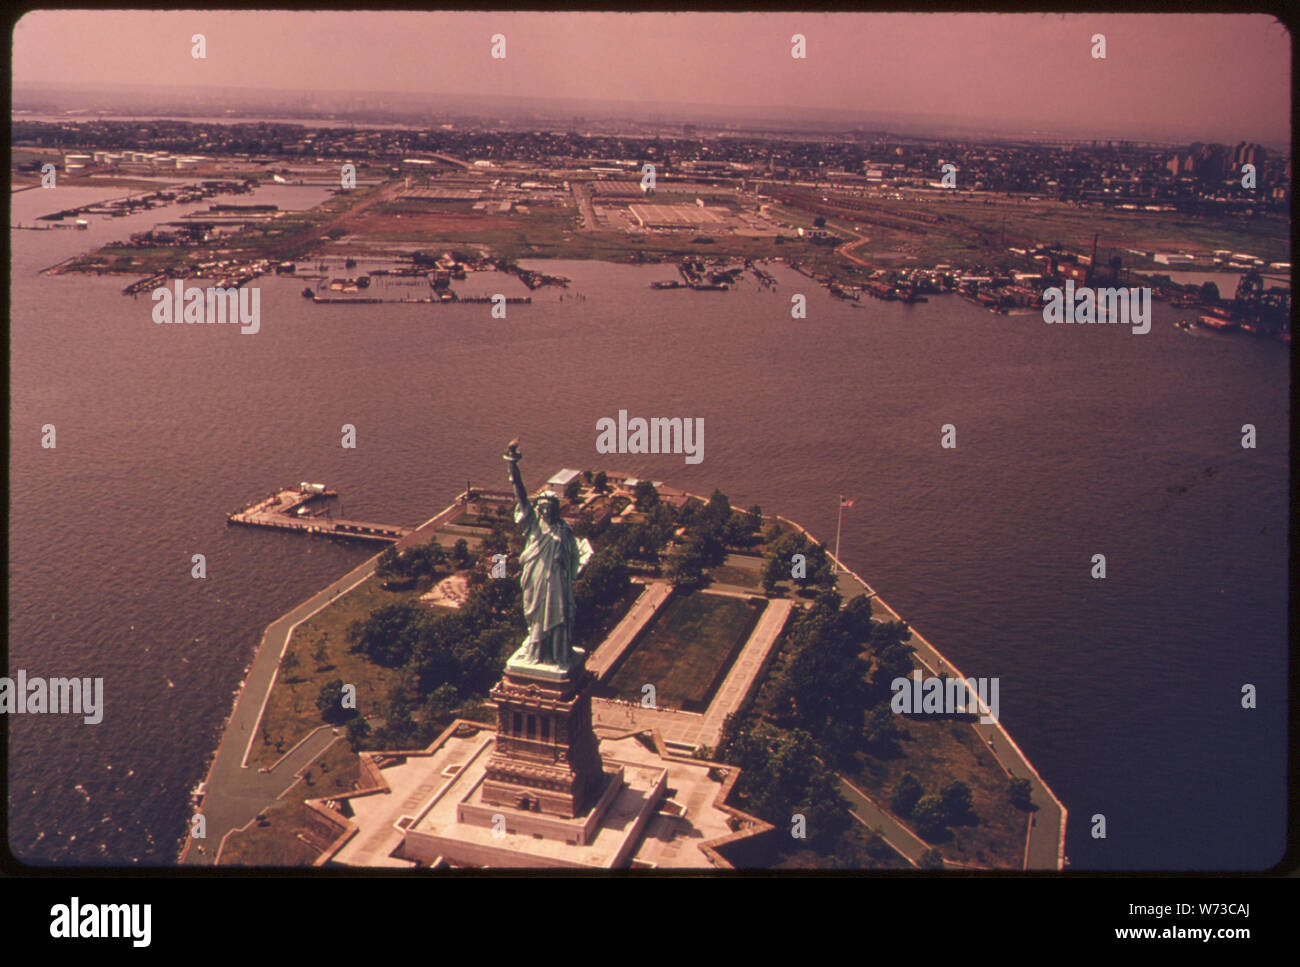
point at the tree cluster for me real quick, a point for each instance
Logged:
(822, 685)
(782, 775)
(932, 813)
(415, 562)
(644, 540)
(711, 531)
(816, 571)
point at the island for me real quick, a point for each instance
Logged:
(726, 708)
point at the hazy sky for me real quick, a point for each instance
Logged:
(1213, 74)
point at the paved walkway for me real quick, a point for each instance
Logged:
(235, 793)
(647, 604)
(692, 729)
(740, 679)
(904, 842)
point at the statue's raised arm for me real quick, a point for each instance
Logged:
(523, 506)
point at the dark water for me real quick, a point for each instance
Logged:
(1072, 441)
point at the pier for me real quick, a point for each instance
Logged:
(306, 509)
(144, 285)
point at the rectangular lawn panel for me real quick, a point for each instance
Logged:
(687, 650)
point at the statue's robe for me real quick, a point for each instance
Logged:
(551, 560)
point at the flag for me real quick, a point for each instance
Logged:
(845, 502)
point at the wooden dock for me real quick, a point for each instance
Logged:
(308, 512)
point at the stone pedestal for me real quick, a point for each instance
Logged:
(546, 758)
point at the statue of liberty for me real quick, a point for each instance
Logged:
(551, 561)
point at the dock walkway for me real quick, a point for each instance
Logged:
(284, 511)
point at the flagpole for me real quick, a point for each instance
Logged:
(838, 520)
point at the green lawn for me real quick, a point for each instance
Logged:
(743, 576)
(291, 710)
(687, 650)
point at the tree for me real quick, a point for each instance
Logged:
(441, 702)
(735, 533)
(602, 583)
(821, 572)
(685, 567)
(330, 702)
(321, 655)
(646, 495)
(929, 816)
(424, 559)
(571, 490)
(819, 222)
(289, 663)
(882, 732)
(892, 662)
(1209, 293)
(1020, 792)
(460, 553)
(886, 634)
(398, 729)
(600, 483)
(932, 859)
(585, 525)
(782, 547)
(604, 580)
(958, 806)
(878, 849)
(496, 543)
(774, 571)
(358, 730)
(906, 795)
(390, 563)
(386, 635)
(754, 518)
(858, 614)
(717, 512)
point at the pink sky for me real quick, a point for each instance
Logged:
(1211, 73)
